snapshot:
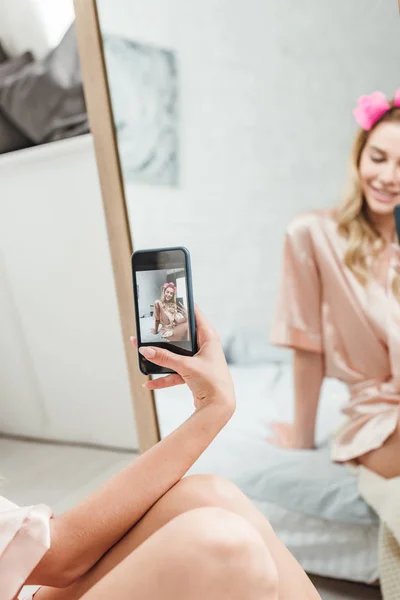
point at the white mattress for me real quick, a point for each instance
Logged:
(264, 394)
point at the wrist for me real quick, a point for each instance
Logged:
(221, 407)
(303, 439)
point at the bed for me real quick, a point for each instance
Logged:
(313, 504)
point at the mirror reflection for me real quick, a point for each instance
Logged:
(266, 139)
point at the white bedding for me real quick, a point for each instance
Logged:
(344, 550)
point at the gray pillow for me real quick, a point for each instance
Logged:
(11, 137)
(246, 347)
(309, 483)
(46, 99)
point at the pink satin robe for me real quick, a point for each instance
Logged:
(323, 308)
(24, 540)
(175, 325)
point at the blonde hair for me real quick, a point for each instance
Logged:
(364, 240)
(171, 304)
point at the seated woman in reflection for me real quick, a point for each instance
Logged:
(340, 301)
(171, 315)
(149, 534)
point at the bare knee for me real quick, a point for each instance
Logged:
(225, 545)
(209, 490)
(213, 490)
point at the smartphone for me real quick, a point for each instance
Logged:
(164, 308)
(397, 221)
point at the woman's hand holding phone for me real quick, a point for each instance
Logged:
(206, 373)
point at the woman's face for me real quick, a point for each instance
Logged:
(169, 294)
(380, 169)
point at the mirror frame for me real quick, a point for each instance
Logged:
(98, 103)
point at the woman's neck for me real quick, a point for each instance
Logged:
(385, 225)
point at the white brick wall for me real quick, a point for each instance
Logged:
(267, 89)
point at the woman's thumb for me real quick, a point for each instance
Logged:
(162, 358)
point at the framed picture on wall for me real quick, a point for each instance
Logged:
(144, 89)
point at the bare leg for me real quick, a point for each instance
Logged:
(208, 491)
(181, 333)
(204, 553)
(385, 461)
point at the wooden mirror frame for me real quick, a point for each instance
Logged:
(98, 102)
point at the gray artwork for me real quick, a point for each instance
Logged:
(143, 88)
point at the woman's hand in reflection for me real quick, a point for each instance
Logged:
(154, 331)
(284, 435)
(182, 308)
(206, 374)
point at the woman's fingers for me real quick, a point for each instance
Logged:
(277, 438)
(164, 382)
(163, 358)
(205, 331)
(274, 441)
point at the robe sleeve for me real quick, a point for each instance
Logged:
(24, 540)
(297, 323)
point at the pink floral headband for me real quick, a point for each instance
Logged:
(372, 108)
(169, 285)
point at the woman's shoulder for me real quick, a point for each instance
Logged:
(34, 519)
(25, 532)
(307, 222)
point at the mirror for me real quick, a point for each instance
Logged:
(232, 120)
(61, 351)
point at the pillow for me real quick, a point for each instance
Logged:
(11, 138)
(251, 348)
(46, 98)
(307, 482)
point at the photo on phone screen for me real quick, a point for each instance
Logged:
(163, 294)
(163, 306)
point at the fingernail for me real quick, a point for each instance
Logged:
(147, 352)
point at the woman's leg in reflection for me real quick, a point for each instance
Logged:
(181, 333)
(385, 461)
(201, 491)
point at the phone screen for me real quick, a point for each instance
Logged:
(163, 300)
(397, 221)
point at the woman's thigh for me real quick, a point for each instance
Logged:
(385, 461)
(204, 553)
(190, 494)
(181, 333)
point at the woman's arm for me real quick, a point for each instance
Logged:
(81, 535)
(157, 316)
(308, 372)
(156, 326)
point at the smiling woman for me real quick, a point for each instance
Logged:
(366, 217)
(339, 302)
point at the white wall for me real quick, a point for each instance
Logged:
(266, 92)
(62, 364)
(149, 289)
